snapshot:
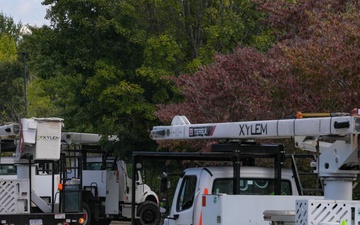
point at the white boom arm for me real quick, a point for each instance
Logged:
(80, 138)
(338, 162)
(181, 129)
(84, 138)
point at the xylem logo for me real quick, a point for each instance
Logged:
(48, 138)
(253, 129)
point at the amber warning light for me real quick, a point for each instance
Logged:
(81, 220)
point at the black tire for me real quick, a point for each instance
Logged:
(86, 209)
(149, 214)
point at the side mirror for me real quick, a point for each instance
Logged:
(138, 166)
(139, 178)
(164, 188)
(164, 185)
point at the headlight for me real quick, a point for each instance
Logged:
(157, 133)
(16, 129)
(357, 124)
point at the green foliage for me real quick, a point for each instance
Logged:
(7, 48)
(163, 52)
(85, 31)
(112, 93)
(40, 104)
(162, 58)
(11, 71)
(43, 61)
(85, 65)
(203, 28)
(53, 96)
(9, 27)
(9, 35)
(11, 91)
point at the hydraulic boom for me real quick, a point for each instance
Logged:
(182, 129)
(335, 138)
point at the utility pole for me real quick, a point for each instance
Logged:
(25, 99)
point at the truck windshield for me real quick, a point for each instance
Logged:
(251, 186)
(97, 166)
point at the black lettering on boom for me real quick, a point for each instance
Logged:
(253, 129)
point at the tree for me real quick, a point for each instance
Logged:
(11, 91)
(7, 48)
(12, 94)
(84, 65)
(203, 28)
(313, 68)
(319, 58)
(9, 27)
(232, 88)
(104, 65)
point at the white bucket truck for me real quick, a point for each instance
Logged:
(103, 185)
(22, 199)
(202, 196)
(106, 184)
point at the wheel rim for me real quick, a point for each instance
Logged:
(149, 216)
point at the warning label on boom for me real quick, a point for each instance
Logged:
(201, 131)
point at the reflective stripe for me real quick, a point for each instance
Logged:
(206, 191)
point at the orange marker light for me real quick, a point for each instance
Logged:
(81, 220)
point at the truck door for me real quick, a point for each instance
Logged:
(185, 201)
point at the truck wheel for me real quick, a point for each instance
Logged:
(86, 210)
(149, 213)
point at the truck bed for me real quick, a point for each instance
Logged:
(245, 209)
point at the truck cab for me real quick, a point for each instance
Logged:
(195, 182)
(94, 173)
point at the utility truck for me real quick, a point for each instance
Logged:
(101, 183)
(106, 186)
(22, 199)
(242, 178)
(216, 196)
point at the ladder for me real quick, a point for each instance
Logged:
(307, 182)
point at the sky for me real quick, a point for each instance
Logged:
(27, 11)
